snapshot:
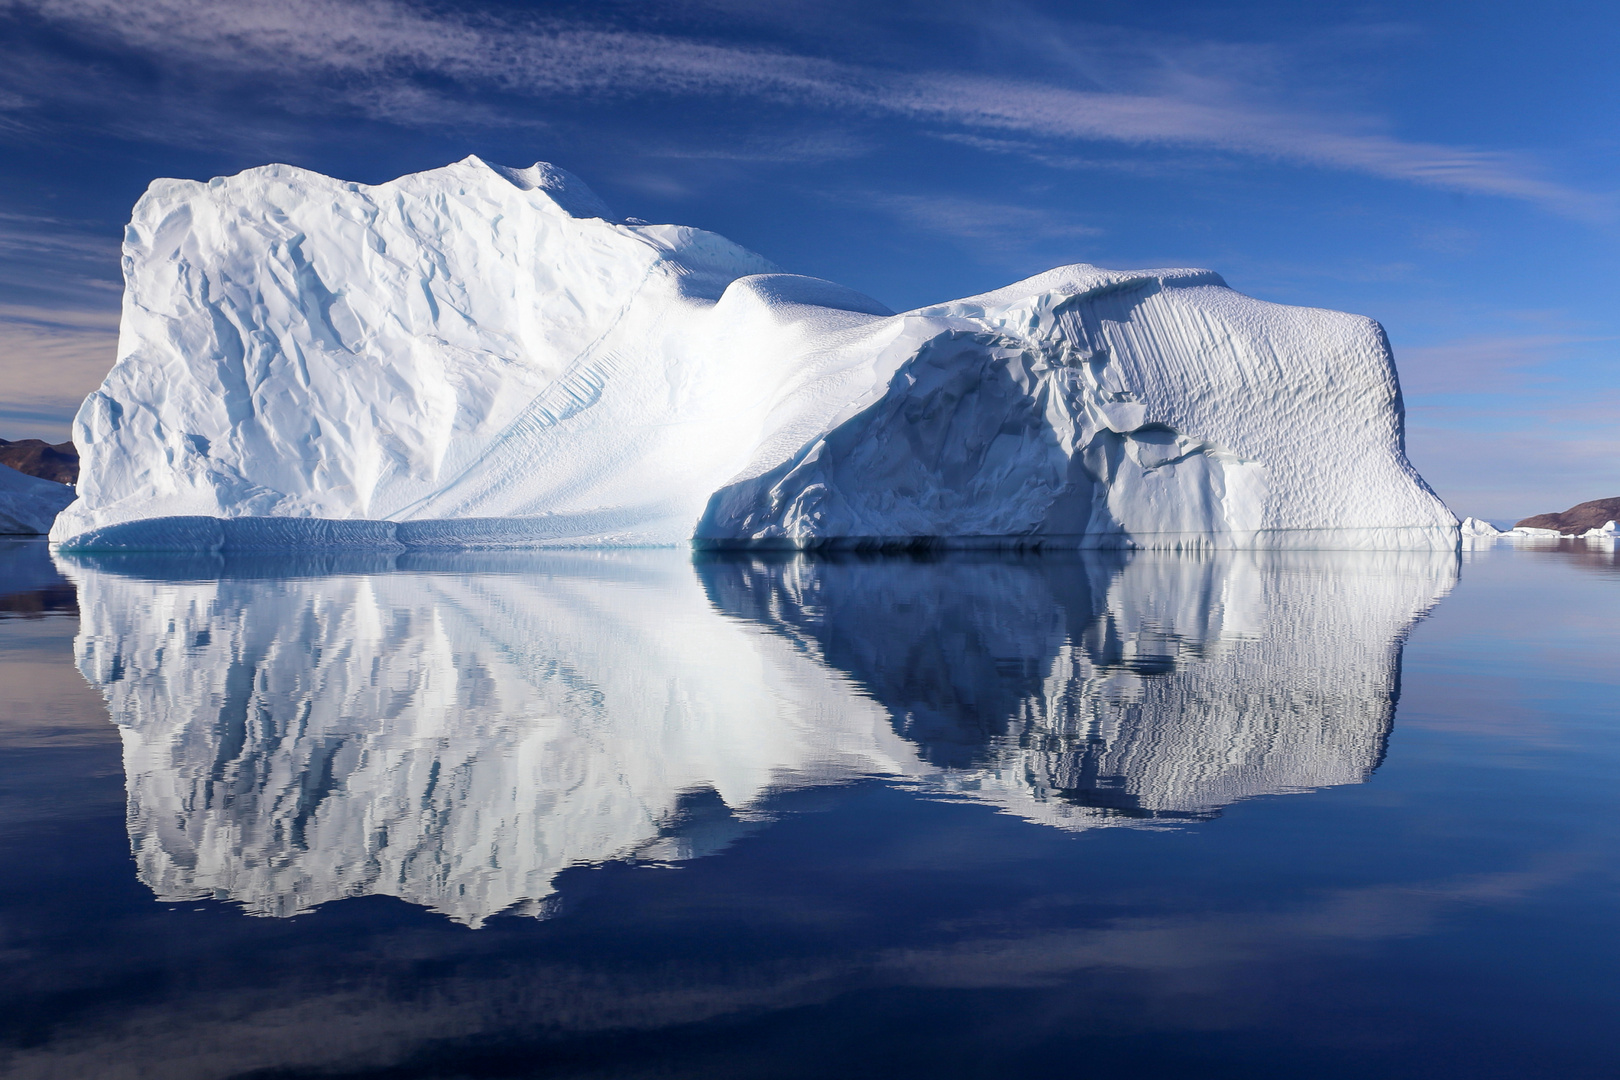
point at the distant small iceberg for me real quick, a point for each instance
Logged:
(28, 504)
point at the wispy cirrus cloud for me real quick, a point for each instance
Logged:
(66, 262)
(1486, 363)
(52, 359)
(409, 64)
(984, 223)
(1506, 476)
(39, 236)
(1512, 424)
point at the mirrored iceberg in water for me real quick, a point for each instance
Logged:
(1083, 691)
(457, 729)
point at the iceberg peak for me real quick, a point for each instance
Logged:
(571, 194)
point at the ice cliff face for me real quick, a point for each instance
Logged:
(457, 730)
(483, 356)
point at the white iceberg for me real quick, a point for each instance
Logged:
(1476, 532)
(28, 505)
(1608, 534)
(1532, 534)
(480, 356)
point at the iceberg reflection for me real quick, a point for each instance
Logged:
(455, 730)
(1079, 692)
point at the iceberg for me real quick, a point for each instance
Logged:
(479, 356)
(1529, 533)
(458, 729)
(1608, 532)
(28, 505)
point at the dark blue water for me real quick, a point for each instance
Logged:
(638, 815)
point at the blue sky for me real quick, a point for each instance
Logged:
(1448, 169)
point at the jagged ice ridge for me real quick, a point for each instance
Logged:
(481, 356)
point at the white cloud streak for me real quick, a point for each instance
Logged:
(1506, 476)
(985, 224)
(367, 52)
(51, 360)
(58, 239)
(1486, 363)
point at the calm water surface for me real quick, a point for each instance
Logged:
(638, 815)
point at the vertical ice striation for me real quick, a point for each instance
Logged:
(483, 356)
(455, 731)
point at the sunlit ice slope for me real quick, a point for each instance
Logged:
(480, 356)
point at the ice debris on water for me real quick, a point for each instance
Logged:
(481, 356)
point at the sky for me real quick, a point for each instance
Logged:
(1448, 169)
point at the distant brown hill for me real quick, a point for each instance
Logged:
(1577, 519)
(36, 457)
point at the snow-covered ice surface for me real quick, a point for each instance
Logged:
(28, 505)
(480, 356)
(456, 729)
